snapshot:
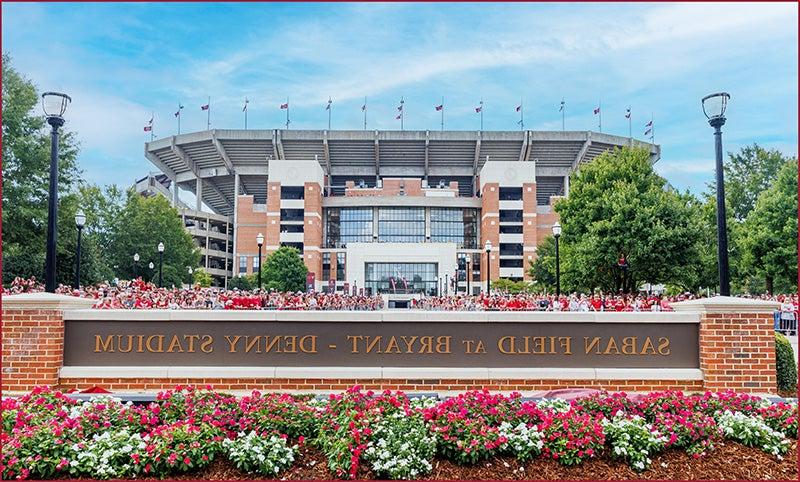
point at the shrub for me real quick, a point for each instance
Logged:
(401, 447)
(572, 437)
(523, 441)
(785, 365)
(753, 432)
(694, 432)
(781, 416)
(633, 440)
(267, 454)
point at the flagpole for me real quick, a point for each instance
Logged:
(630, 121)
(600, 116)
(481, 114)
(329, 113)
(442, 114)
(521, 117)
(287, 113)
(179, 118)
(563, 108)
(152, 116)
(402, 112)
(365, 113)
(208, 118)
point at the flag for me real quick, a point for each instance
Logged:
(400, 107)
(246, 101)
(648, 131)
(285, 106)
(628, 113)
(562, 106)
(478, 109)
(439, 107)
(399, 116)
(204, 107)
(150, 122)
(328, 107)
(148, 128)
(596, 110)
(519, 107)
(649, 124)
(519, 122)
(178, 112)
(364, 107)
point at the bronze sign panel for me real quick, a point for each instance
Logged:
(401, 344)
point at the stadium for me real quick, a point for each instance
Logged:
(400, 213)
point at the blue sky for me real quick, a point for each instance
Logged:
(120, 62)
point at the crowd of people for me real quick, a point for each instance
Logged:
(138, 294)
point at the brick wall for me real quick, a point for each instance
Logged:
(33, 347)
(737, 351)
(490, 228)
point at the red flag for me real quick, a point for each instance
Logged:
(204, 107)
(148, 128)
(285, 106)
(519, 107)
(596, 110)
(439, 107)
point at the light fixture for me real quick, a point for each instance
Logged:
(80, 219)
(557, 229)
(714, 105)
(54, 104)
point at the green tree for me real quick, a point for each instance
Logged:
(543, 268)
(202, 278)
(618, 205)
(245, 283)
(26, 178)
(142, 224)
(748, 173)
(284, 270)
(769, 234)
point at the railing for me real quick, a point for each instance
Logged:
(786, 325)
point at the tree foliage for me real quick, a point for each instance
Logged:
(284, 270)
(748, 173)
(202, 278)
(143, 223)
(769, 234)
(618, 206)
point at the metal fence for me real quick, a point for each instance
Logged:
(786, 322)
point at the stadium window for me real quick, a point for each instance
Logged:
(326, 266)
(511, 194)
(511, 215)
(513, 229)
(256, 263)
(291, 228)
(242, 264)
(291, 214)
(511, 263)
(292, 192)
(340, 261)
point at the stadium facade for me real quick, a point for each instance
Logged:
(391, 212)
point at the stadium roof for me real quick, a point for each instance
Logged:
(216, 155)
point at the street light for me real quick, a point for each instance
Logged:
(260, 242)
(556, 235)
(436, 287)
(80, 222)
(135, 260)
(468, 260)
(160, 263)
(488, 248)
(714, 106)
(54, 105)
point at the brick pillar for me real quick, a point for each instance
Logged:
(737, 343)
(33, 338)
(312, 232)
(529, 226)
(272, 236)
(490, 229)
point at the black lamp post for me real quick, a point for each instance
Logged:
(80, 222)
(135, 260)
(260, 242)
(468, 261)
(714, 106)
(488, 248)
(436, 283)
(556, 235)
(160, 264)
(54, 105)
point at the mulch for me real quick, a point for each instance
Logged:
(729, 461)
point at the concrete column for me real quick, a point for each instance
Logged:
(175, 197)
(199, 190)
(235, 221)
(208, 229)
(566, 185)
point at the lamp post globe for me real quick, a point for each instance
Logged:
(488, 248)
(714, 106)
(151, 265)
(160, 264)
(260, 242)
(556, 235)
(54, 105)
(80, 222)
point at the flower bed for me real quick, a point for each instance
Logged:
(357, 434)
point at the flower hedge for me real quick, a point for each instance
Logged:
(48, 435)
